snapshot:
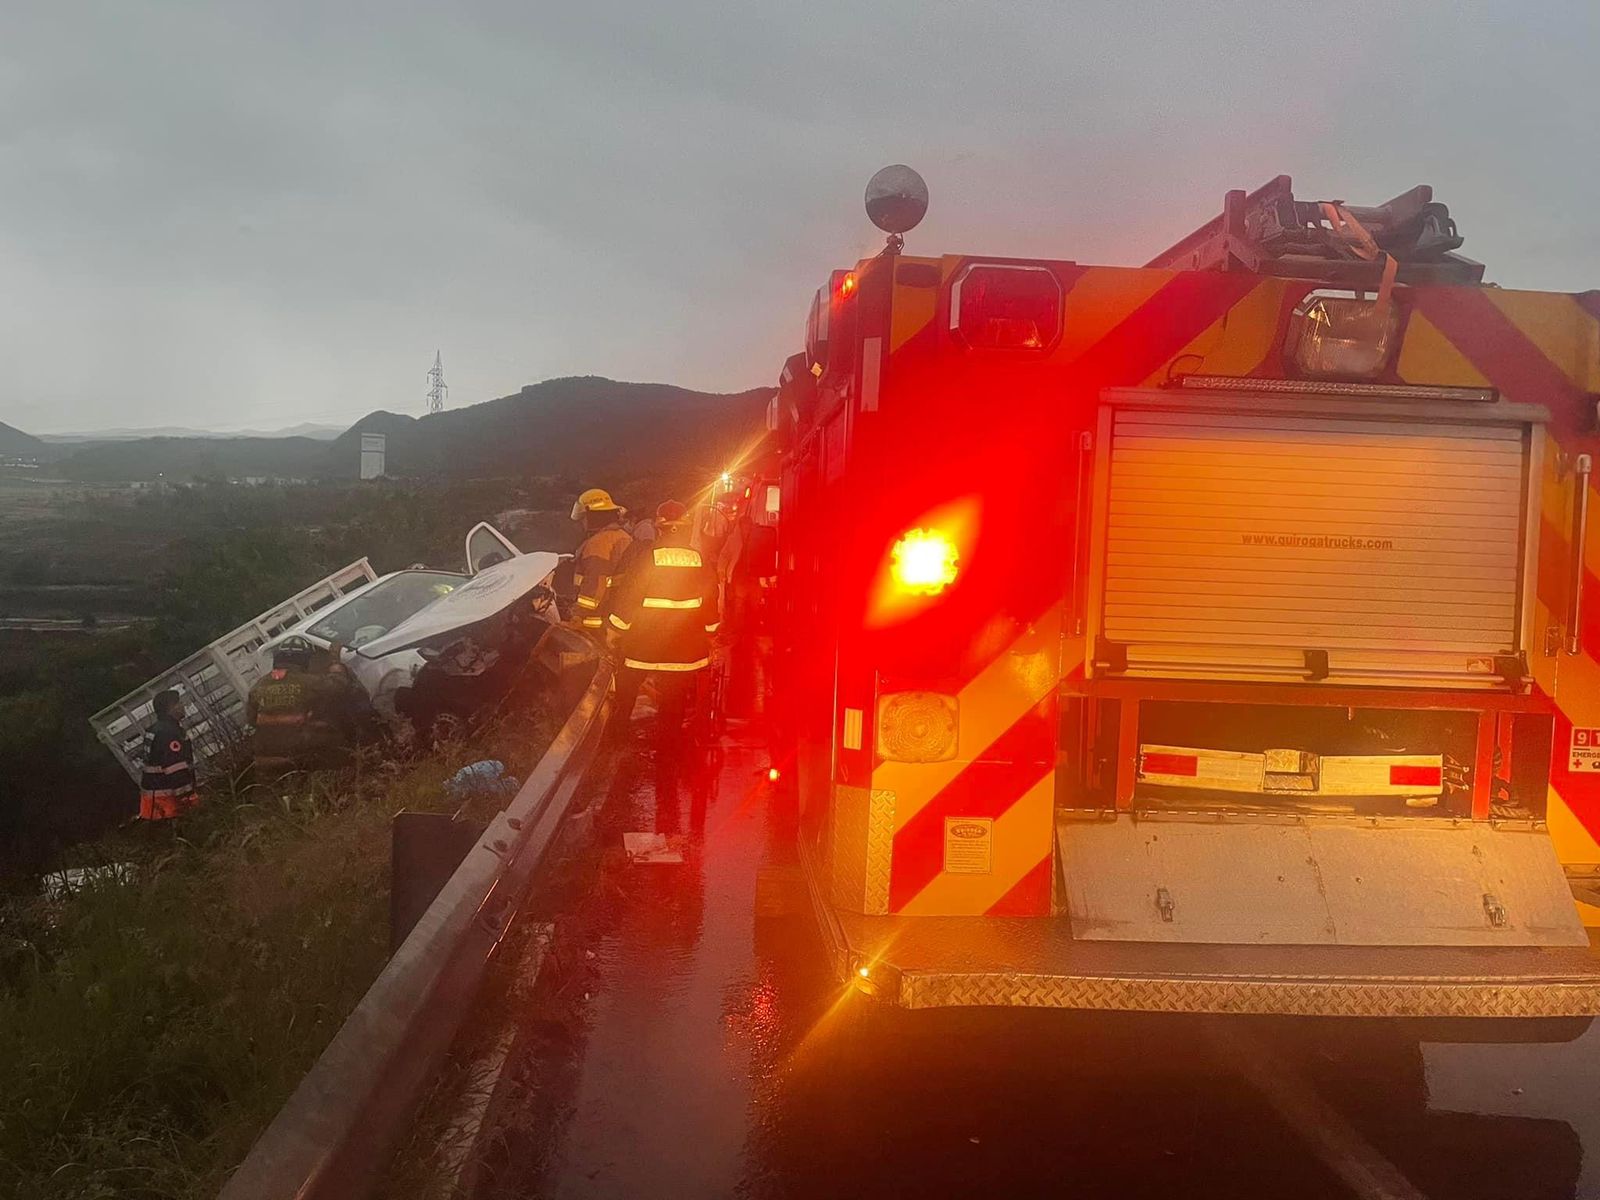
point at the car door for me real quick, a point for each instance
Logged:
(486, 546)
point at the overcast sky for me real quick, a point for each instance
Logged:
(229, 213)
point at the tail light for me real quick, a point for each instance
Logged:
(924, 562)
(1416, 776)
(831, 325)
(1001, 306)
(917, 727)
(1151, 763)
(1341, 337)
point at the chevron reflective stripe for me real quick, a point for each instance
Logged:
(714, 626)
(588, 602)
(618, 623)
(1002, 785)
(1127, 327)
(1242, 340)
(593, 623)
(663, 602)
(1539, 348)
(1142, 327)
(640, 665)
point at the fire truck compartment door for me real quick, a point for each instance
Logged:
(1260, 546)
(1311, 883)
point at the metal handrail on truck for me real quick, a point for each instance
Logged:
(342, 1125)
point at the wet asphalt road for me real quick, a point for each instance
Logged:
(707, 1052)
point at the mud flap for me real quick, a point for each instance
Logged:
(1314, 883)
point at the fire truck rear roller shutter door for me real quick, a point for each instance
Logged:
(1235, 541)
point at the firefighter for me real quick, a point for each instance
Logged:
(276, 708)
(307, 713)
(166, 785)
(352, 707)
(600, 558)
(662, 617)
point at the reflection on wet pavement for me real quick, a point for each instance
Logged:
(712, 1055)
(1552, 1083)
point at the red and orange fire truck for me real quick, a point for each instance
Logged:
(1206, 636)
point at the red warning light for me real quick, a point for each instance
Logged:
(925, 562)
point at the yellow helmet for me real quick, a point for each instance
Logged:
(595, 500)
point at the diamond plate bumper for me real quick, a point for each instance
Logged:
(941, 962)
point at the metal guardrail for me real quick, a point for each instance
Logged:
(342, 1125)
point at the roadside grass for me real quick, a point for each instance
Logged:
(149, 1029)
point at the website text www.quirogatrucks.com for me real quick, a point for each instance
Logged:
(1319, 541)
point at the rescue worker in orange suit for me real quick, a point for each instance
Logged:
(166, 784)
(661, 619)
(600, 558)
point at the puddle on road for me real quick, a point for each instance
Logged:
(1558, 1083)
(704, 1051)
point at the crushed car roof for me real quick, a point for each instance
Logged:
(489, 592)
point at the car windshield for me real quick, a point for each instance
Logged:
(384, 605)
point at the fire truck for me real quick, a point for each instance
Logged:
(1216, 635)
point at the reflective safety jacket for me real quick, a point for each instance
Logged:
(166, 784)
(304, 719)
(599, 566)
(665, 610)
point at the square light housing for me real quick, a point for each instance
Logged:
(1006, 306)
(1343, 337)
(918, 727)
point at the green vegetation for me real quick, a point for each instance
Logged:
(150, 1028)
(150, 1024)
(199, 561)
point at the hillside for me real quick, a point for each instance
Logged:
(21, 445)
(310, 429)
(578, 425)
(192, 458)
(575, 425)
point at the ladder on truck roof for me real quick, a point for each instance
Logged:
(1269, 232)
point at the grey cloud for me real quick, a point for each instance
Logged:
(240, 213)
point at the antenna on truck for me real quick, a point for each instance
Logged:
(1270, 232)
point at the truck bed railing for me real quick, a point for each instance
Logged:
(215, 680)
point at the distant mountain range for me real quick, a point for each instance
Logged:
(308, 429)
(580, 425)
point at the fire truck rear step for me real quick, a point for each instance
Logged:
(1035, 962)
(1314, 880)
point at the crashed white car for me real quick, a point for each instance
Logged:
(378, 618)
(386, 664)
(393, 620)
(358, 618)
